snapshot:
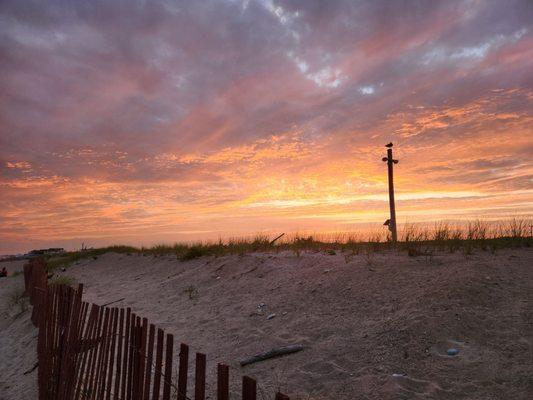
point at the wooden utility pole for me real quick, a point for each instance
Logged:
(392, 221)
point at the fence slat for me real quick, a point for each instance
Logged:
(55, 339)
(249, 388)
(168, 367)
(118, 374)
(125, 354)
(111, 361)
(67, 306)
(199, 380)
(40, 346)
(131, 354)
(89, 389)
(43, 344)
(142, 359)
(101, 356)
(135, 360)
(137, 374)
(158, 364)
(108, 337)
(183, 372)
(222, 382)
(83, 316)
(107, 356)
(149, 359)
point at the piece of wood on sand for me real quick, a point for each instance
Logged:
(280, 351)
(274, 240)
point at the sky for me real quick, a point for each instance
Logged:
(142, 122)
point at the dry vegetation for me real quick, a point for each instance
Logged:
(17, 299)
(416, 239)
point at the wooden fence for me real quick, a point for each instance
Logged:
(92, 352)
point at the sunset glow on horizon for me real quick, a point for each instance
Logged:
(142, 122)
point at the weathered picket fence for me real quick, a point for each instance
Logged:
(92, 352)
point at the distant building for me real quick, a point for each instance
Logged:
(53, 251)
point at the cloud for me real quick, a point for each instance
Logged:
(22, 165)
(367, 89)
(158, 116)
(475, 52)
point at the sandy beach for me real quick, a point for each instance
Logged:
(18, 341)
(374, 326)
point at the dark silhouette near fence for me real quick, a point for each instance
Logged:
(86, 351)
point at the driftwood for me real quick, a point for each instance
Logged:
(251, 270)
(272, 241)
(219, 268)
(280, 351)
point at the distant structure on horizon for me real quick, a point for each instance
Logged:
(52, 251)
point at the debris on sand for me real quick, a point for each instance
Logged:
(280, 351)
(399, 375)
(452, 352)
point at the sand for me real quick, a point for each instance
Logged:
(362, 319)
(18, 341)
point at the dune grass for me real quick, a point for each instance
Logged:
(74, 256)
(415, 239)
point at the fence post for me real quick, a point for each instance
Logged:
(124, 383)
(131, 355)
(199, 381)
(168, 367)
(136, 392)
(149, 357)
(222, 382)
(183, 372)
(111, 362)
(118, 374)
(142, 358)
(158, 364)
(249, 388)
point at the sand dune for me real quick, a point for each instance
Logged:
(374, 327)
(362, 318)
